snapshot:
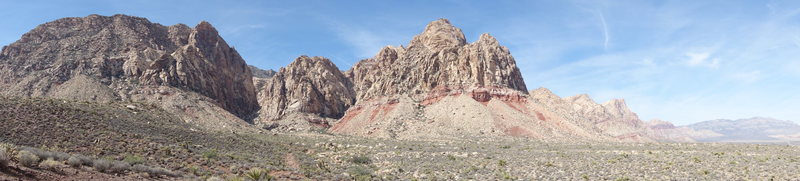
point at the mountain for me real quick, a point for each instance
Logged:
(191, 72)
(756, 129)
(441, 86)
(438, 58)
(437, 86)
(305, 92)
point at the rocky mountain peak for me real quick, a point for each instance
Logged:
(487, 39)
(543, 93)
(122, 52)
(309, 85)
(617, 105)
(437, 58)
(440, 34)
(582, 99)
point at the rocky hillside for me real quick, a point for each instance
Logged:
(126, 58)
(309, 85)
(441, 86)
(440, 58)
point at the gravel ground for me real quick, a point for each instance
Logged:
(518, 159)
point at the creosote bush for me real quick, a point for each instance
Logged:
(26, 158)
(360, 160)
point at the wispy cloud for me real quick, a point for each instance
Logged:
(606, 36)
(701, 59)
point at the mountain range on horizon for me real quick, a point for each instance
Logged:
(437, 86)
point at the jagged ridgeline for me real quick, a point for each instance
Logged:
(121, 58)
(438, 85)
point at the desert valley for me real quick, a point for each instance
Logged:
(123, 98)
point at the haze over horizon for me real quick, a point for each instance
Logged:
(679, 61)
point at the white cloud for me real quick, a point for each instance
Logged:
(606, 37)
(702, 59)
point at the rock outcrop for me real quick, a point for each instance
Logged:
(439, 58)
(120, 56)
(441, 86)
(312, 85)
(260, 78)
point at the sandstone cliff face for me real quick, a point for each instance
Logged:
(439, 57)
(120, 54)
(311, 85)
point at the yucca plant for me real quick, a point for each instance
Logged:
(257, 174)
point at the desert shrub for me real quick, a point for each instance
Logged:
(451, 157)
(51, 165)
(162, 171)
(60, 156)
(140, 168)
(153, 171)
(4, 159)
(39, 153)
(360, 160)
(78, 160)
(360, 173)
(119, 166)
(102, 165)
(210, 154)
(502, 163)
(133, 159)
(257, 174)
(74, 161)
(26, 158)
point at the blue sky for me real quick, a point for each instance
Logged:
(680, 61)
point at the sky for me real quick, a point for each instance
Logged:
(679, 61)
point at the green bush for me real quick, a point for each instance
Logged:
(360, 173)
(502, 163)
(133, 159)
(360, 160)
(210, 154)
(28, 159)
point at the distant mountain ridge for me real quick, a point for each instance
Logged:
(752, 129)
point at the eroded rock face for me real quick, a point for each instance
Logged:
(439, 57)
(120, 53)
(311, 85)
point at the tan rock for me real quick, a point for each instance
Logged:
(311, 85)
(438, 57)
(121, 57)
